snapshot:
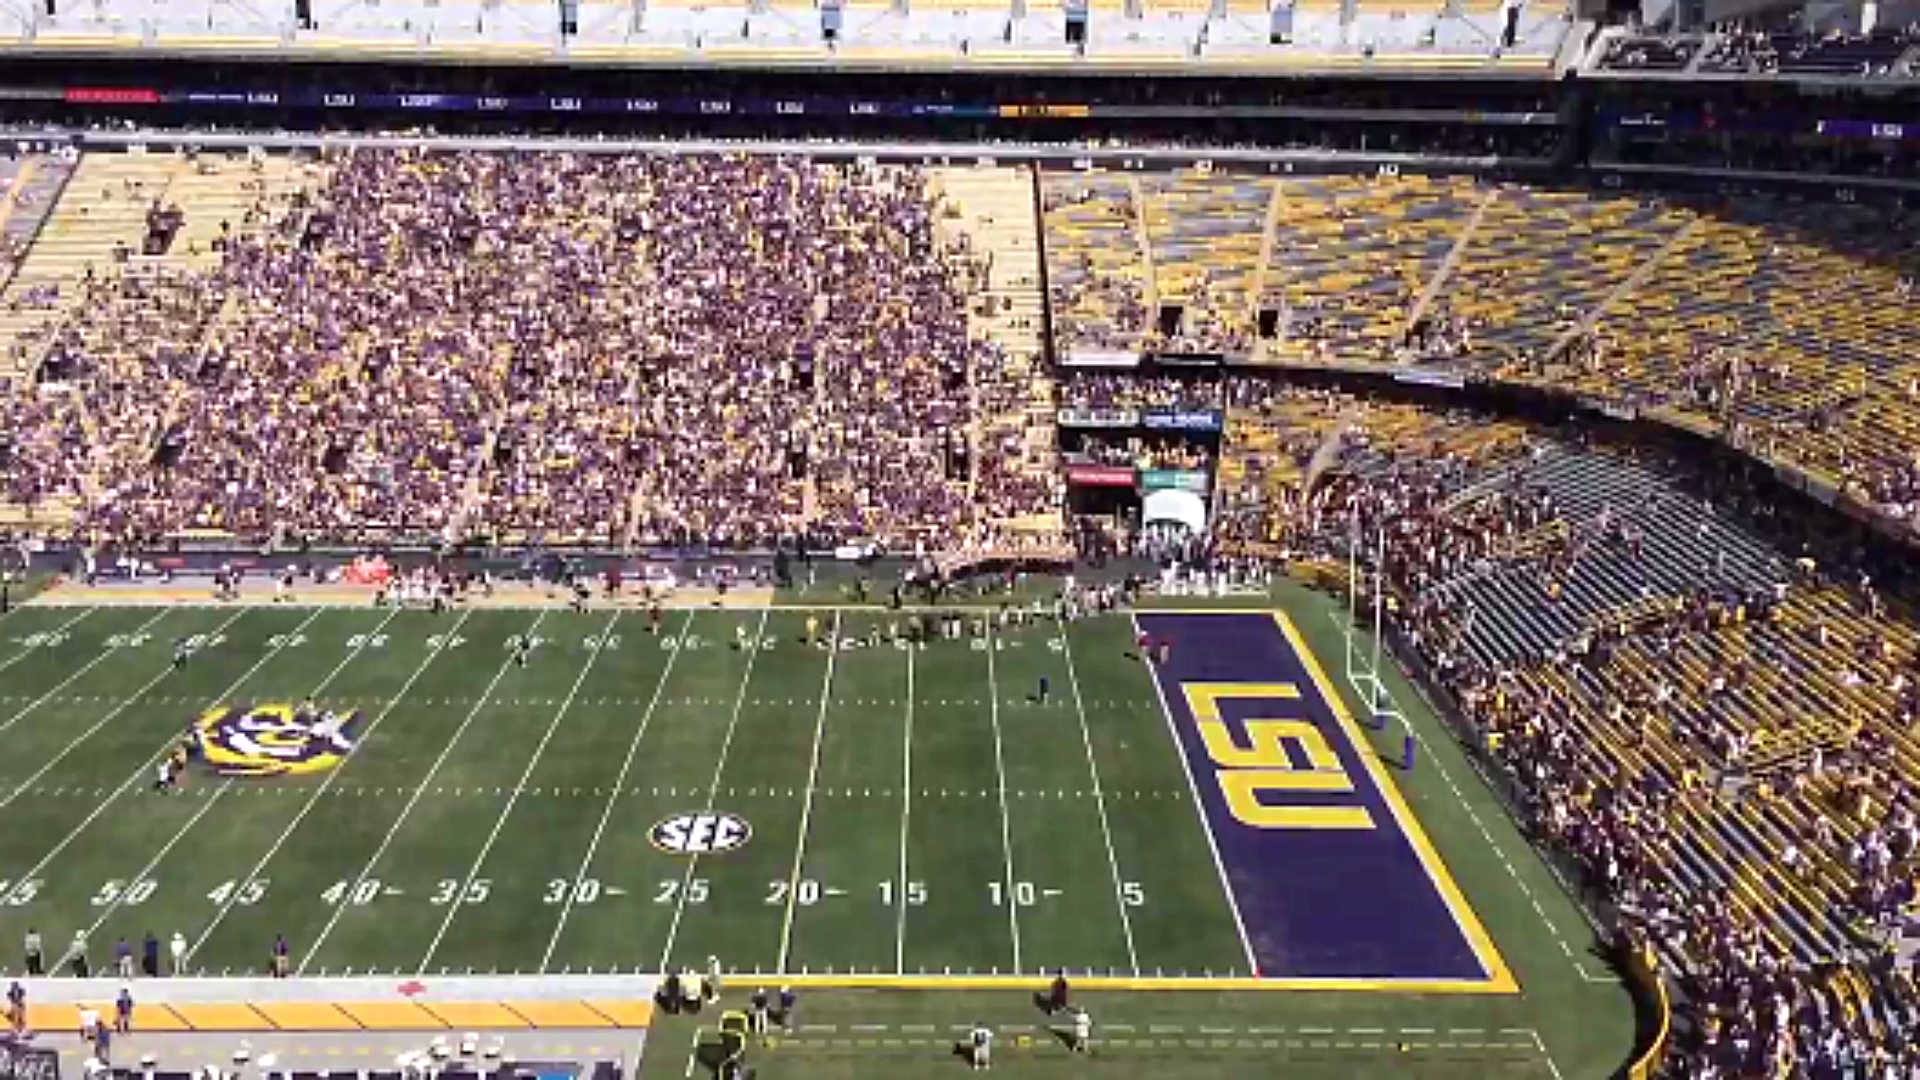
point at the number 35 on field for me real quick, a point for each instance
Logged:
(1260, 779)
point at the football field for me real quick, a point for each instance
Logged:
(1028, 799)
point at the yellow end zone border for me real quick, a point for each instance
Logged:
(1500, 978)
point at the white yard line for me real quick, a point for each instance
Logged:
(29, 650)
(533, 760)
(180, 833)
(325, 784)
(145, 767)
(1099, 800)
(104, 653)
(713, 789)
(122, 707)
(806, 806)
(1551, 1067)
(1000, 771)
(693, 1053)
(620, 781)
(906, 811)
(1199, 808)
(393, 830)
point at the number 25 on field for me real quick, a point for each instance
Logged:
(1263, 766)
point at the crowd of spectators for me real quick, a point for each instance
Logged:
(1139, 452)
(1749, 1005)
(1763, 51)
(557, 346)
(1087, 389)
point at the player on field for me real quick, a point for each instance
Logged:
(655, 617)
(329, 727)
(178, 949)
(1055, 999)
(181, 650)
(78, 952)
(280, 964)
(1045, 688)
(34, 955)
(522, 645)
(163, 775)
(17, 1009)
(813, 628)
(711, 987)
(740, 637)
(980, 1046)
(1081, 1031)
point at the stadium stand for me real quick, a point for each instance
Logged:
(433, 388)
(1098, 261)
(1350, 258)
(1714, 733)
(1206, 237)
(1711, 713)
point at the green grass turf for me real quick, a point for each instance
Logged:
(881, 837)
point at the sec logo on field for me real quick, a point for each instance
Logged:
(700, 834)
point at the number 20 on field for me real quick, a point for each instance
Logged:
(1261, 780)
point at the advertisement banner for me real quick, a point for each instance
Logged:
(1100, 475)
(1452, 380)
(1182, 420)
(1175, 479)
(1098, 418)
(1105, 358)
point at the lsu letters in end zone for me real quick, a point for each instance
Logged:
(1335, 883)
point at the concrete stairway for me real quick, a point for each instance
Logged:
(105, 204)
(994, 209)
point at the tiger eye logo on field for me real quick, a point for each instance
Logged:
(275, 739)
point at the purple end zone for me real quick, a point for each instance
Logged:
(1344, 903)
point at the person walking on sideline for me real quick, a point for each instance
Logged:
(1081, 1031)
(123, 1010)
(980, 1046)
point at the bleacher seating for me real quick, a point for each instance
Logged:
(1717, 734)
(379, 358)
(1351, 254)
(1096, 261)
(1206, 235)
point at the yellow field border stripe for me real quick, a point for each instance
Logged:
(1500, 978)
(377, 1016)
(1136, 983)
